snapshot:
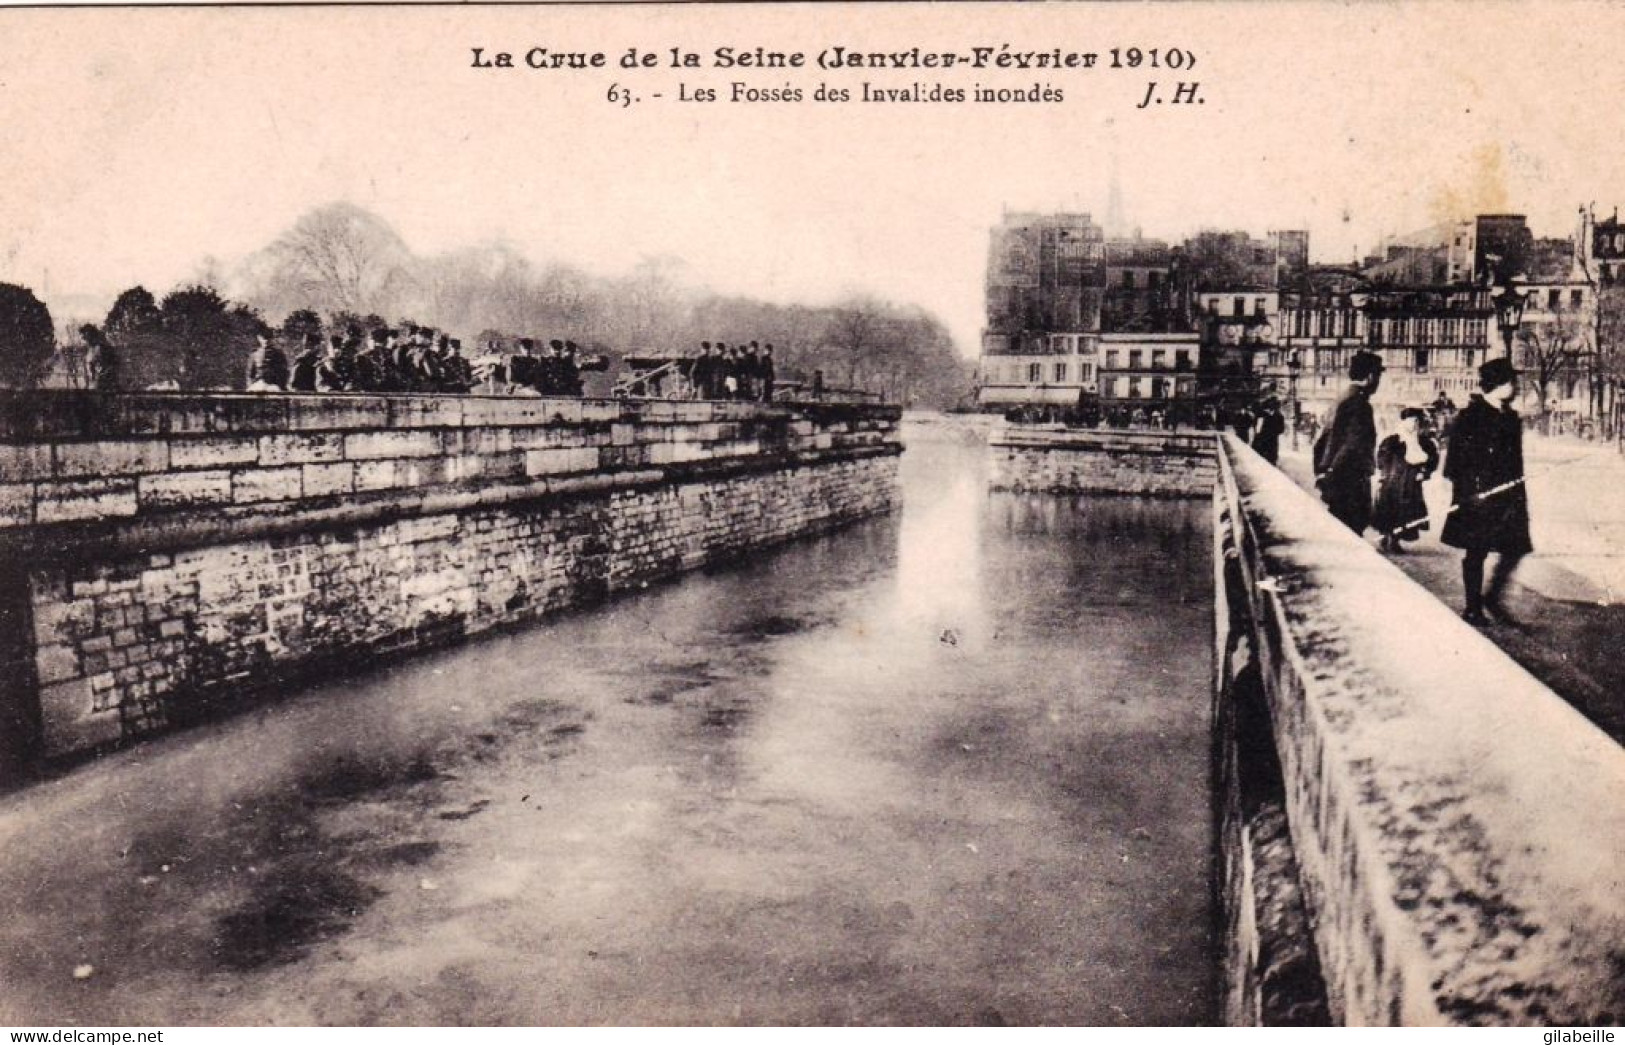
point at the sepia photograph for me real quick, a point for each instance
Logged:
(812, 515)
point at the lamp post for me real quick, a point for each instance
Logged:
(1293, 365)
(1508, 313)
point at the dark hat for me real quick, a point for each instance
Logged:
(456, 345)
(753, 345)
(570, 346)
(705, 344)
(1364, 365)
(337, 340)
(555, 343)
(526, 343)
(380, 335)
(1412, 411)
(1495, 373)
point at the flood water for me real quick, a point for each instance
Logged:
(947, 767)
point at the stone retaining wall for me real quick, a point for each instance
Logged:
(169, 550)
(1146, 463)
(1454, 827)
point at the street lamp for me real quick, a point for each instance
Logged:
(1293, 365)
(1508, 313)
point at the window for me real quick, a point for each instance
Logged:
(1060, 372)
(1258, 306)
(1575, 297)
(1113, 359)
(1553, 299)
(1128, 278)
(1159, 358)
(1467, 358)
(1134, 357)
(1153, 280)
(1085, 371)
(1035, 373)
(1421, 361)
(1182, 359)
(1240, 306)
(1448, 332)
(1134, 388)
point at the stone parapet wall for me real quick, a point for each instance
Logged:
(70, 458)
(1143, 463)
(1454, 825)
(168, 551)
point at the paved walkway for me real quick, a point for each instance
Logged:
(1570, 595)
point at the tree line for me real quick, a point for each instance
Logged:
(340, 267)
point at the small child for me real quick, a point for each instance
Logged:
(1405, 460)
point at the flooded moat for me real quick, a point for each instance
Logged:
(946, 767)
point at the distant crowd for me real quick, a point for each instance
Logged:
(743, 372)
(419, 359)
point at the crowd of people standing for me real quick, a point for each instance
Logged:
(731, 372)
(416, 359)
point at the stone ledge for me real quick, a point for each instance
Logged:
(1457, 824)
(57, 414)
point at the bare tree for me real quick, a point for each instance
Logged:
(1610, 352)
(336, 258)
(857, 331)
(1553, 349)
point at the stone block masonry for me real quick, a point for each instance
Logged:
(1141, 463)
(231, 542)
(1409, 817)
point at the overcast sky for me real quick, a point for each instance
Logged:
(139, 142)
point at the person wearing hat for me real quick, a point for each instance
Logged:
(303, 378)
(699, 373)
(765, 374)
(570, 372)
(101, 361)
(1267, 431)
(1489, 506)
(267, 366)
(334, 370)
(1345, 453)
(524, 369)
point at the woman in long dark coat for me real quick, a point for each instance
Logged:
(1489, 509)
(1405, 460)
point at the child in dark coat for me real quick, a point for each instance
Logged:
(1405, 460)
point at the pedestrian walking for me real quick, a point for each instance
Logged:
(1489, 505)
(1345, 454)
(1405, 460)
(1267, 431)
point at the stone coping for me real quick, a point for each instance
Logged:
(58, 414)
(1127, 439)
(1460, 827)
